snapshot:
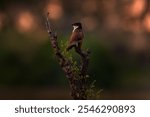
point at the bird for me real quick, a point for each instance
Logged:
(76, 37)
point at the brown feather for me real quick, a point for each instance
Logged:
(75, 39)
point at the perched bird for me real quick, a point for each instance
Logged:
(76, 37)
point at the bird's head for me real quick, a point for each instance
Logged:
(77, 25)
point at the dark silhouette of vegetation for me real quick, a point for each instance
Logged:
(75, 73)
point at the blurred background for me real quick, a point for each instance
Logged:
(117, 32)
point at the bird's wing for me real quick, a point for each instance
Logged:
(75, 37)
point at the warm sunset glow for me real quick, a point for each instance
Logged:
(146, 22)
(25, 21)
(137, 7)
(55, 10)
